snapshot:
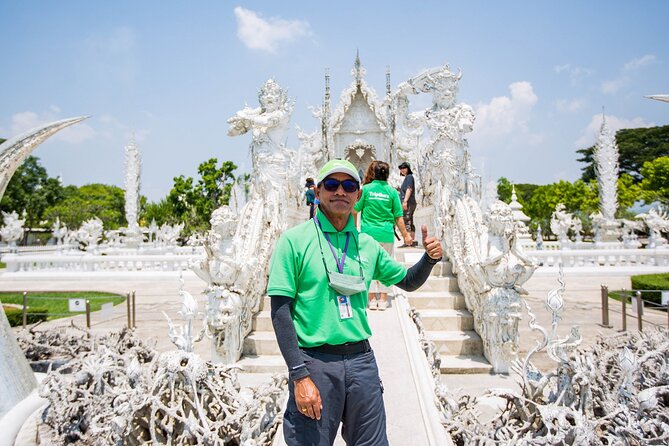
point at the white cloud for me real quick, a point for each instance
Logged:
(626, 73)
(641, 62)
(505, 115)
(262, 34)
(576, 74)
(589, 135)
(570, 105)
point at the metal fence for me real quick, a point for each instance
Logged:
(76, 305)
(633, 299)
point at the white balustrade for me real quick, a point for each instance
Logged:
(87, 262)
(595, 258)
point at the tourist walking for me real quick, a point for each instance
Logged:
(310, 196)
(408, 198)
(381, 211)
(318, 282)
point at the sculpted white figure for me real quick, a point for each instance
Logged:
(90, 233)
(499, 277)
(268, 125)
(59, 231)
(440, 162)
(168, 235)
(630, 239)
(561, 222)
(657, 222)
(12, 230)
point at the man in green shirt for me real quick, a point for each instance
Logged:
(319, 278)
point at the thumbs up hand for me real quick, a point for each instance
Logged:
(431, 244)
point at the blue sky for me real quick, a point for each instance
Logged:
(536, 72)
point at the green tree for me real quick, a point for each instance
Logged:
(579, 198)
(635, 147)
(92, 200)
(33, 191)
(655, 183)
(192, 203)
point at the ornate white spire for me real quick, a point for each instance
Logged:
(605, 156)
(133, 168)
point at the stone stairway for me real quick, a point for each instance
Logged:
(441, 306)
(446, 319)
(261, 351)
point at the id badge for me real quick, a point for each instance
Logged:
(345, 311)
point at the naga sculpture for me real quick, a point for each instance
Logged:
(239, 247)
(58, 231)
(657, 222)
(491, 269)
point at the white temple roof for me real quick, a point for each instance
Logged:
(348, 95)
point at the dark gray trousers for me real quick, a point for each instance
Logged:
(351, 393)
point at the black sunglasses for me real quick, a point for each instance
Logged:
(331, 185)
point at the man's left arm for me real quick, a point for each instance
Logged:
(420, 272)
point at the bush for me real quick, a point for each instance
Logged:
(651, 282)
(15, 315)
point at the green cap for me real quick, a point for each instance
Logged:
(338, 166)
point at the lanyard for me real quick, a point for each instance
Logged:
(340, 263)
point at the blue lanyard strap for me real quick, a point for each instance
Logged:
(339, 262)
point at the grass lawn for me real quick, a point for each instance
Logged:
(57, 302)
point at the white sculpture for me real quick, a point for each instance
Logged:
(12, 230)
(577, 229)
(123, 392)
(519, 216)
(605, 158)
(441, 162)
(168, 235)
(630, 239)
(239, 246)
(90, 233)
(561, 222)
(498, 277)
(133, 236)
(657, 222)
(59, 231)
(268, 125)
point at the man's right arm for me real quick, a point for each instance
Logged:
(287, 337)
(307, 396)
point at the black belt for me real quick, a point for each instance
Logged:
(350, 348)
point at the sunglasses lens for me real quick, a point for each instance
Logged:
(349, 185)
(332, 185)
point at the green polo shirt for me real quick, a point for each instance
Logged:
(380, 205)
(297, 271)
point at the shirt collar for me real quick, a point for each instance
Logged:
(327, 226)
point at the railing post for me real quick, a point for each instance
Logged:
(639, 310)
(127, 302)
(88, 314)
(624, 299)
(134, 321)
(24, 314)
(605, 306)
